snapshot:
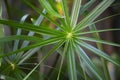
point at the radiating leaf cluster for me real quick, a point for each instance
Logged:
(66, 38)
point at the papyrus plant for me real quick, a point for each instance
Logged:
(67, 39)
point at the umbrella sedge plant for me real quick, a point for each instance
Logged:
(67, 39)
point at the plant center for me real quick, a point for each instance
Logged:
(69, 35)
(13, 66)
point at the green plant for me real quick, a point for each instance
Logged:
(67, 39)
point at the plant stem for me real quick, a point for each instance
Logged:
(100, 47)
(105, 68)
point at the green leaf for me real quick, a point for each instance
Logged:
(66, 12)
(42, 43)
(30, 27)
(71, 62)
(49, 8)
(92, 23)
(94, 14)
(24, 56)
(44, 58)
(31, 33)
(86, 6)
(88, 62)
(20, 37)
(99, 41)
(19, 31)
(43, 13)
(62, 60)
(99, 53)
(100, 47)
(75, 12)
(97, 31)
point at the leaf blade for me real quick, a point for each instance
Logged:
(43, 43)
(99, 53)
(99, 41)
(49, 8)
(44, 58)
(88, 62)
(75, 12)
(30, 27)
(71, 62)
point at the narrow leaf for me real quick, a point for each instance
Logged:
(94, 14)
(63, 56)
(88, 62)
(49, 8)
(66, 12)
(44, 58)
(71, 63)
(75, 12)
(99, 53)
(30, 27)
(86, 6)
(20, 37)
(43, 13)
(99, 41)
(97, 31)
(43, 43)
(19, 31)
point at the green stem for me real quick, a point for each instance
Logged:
(100, 47)
(85, 76)
(63, 56)
(105, 68)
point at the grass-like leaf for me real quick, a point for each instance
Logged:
(99, 41)
(75, 12)
(71, 62)
(20, 37)
(99, 53)
(94, 14)
(97, 31)
(99, 46)
(88, 62)
(19, 31)
(66, 12)
(62, 60)
(43, 43)
(44, 58)
(29, 27)
(49, 8)
(86, 6)
(43, 13)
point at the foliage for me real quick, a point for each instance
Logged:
(67, 39)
